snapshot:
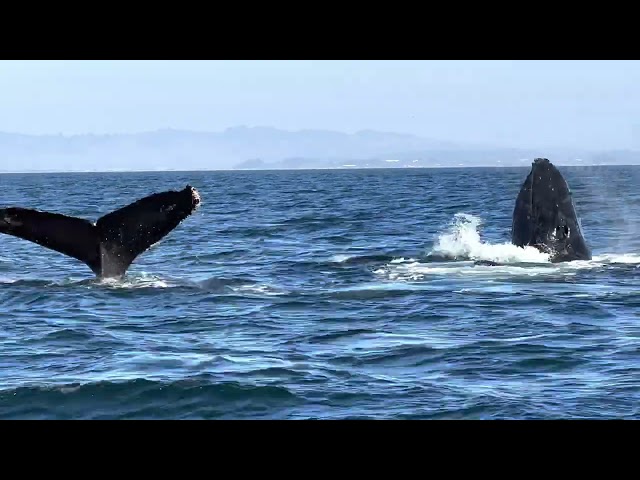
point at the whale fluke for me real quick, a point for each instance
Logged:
(109, 246)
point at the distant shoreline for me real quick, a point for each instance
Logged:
(271, 149)
(439, 167)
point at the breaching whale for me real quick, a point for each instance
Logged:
(545, 216)
(110, 245)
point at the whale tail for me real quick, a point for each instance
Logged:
(109, 246)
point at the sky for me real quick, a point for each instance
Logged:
(576, 104)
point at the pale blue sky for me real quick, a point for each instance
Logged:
(590, 104)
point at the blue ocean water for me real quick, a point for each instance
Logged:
(326, 295)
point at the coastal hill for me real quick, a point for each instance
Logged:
(268, 148)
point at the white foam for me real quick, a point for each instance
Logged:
(259, 290)
(629, 258)
(413, 271)
(341, 258)
(142, 281)
(402, 260)
(462, 241)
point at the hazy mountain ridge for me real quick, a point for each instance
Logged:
(265, 147)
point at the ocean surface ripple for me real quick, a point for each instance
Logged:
(326, 295)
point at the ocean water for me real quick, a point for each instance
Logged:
(326, 295)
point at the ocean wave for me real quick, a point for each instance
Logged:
(196, 398)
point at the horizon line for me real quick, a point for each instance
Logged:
(423, 167)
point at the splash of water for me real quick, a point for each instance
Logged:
(134, 281)
(462, 242)
(624, 258)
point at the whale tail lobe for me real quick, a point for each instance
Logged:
(109, 246)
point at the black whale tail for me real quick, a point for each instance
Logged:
(129, 231)
(109, 246)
